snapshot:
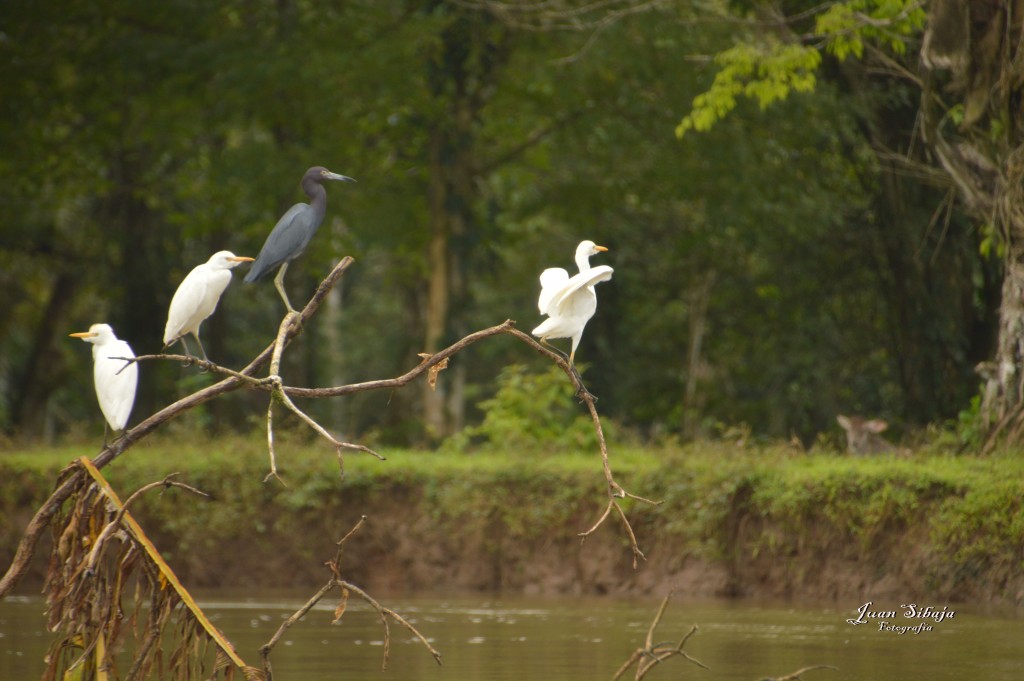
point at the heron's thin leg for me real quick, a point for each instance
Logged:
(279, 283)
(201, 348)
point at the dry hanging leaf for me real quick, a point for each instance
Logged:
(340, 610)
(433, 371)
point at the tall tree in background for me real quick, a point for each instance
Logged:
(761, 274)
(462, 71)
(972, 115)
(971, 56)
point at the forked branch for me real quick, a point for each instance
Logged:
(346, 589)
(233, 380)
(652, 654)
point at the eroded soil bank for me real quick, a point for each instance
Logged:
(731, 524)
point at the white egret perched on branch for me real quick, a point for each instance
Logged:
(294, 230)
(569, 303)
(197, 297)
(115, 378)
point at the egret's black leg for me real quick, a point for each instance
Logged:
(572, 368)
(582, 393)
(549, 346)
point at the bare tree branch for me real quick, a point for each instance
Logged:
(795, 676)
(115, 523)
(336, 582)
(112, 450)
(652, 654)
(291, 325)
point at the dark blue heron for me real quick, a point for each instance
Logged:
(294, 230)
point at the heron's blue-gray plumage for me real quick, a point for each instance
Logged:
(287, 240)
(293, 232)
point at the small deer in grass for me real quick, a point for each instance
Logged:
(862, 435)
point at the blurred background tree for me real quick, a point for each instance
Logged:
(773, 271)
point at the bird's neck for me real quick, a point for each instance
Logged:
(583, 262)
(317, 197)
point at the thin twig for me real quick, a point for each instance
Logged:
(286, 401)
(270, 445)
(115, 523)
(346, 588)
(421, 368)
(278, 394)
(652, 654)
(395, 616)
(615, 491)
(204, 364)
(267, 647)
(795, 676)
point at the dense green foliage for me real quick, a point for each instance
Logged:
(530, 411)
(957, 519)
(773, 271)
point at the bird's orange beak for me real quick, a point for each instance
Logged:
(241, 258)
(82, 334)
(600, 248)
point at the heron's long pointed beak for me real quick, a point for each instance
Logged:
(600, 248)
(335, 176)
(83, 334)
(241, 258)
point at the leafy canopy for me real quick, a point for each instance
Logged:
(767, 69)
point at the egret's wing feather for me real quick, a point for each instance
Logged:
(288, 239)
(116, 382)
(551, 282)
(185, 304)
(563, 297)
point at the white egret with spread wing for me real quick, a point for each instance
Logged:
(569, 303)
(197, 297)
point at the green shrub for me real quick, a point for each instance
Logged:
(535, 411)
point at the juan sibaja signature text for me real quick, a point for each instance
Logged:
(887, 619)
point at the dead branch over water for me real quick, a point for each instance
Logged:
(346, 589)
(79, 476)
(73, 476)
(101, 560)
(652, 654)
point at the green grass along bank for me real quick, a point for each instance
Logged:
(766, 522)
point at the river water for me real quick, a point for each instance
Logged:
(515, 638)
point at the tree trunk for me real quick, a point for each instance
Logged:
(37, 380)
(699, 299)
(1003, 396)
(436, 317)
(462, 75)
(979, 45)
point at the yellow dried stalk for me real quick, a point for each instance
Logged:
(99, 551)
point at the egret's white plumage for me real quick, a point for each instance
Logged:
(197, 297)
(569, 303)
(115, 379)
